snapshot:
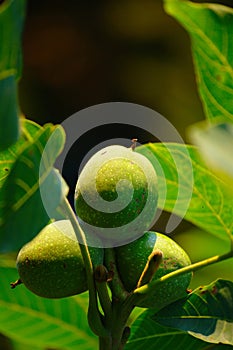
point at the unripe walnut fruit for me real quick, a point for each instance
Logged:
(132, 258)
(51, 265)
(116, 194)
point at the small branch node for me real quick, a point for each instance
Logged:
(152, 265)
(134, 143)
(16, 283)
(101, 274)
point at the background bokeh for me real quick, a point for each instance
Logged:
(81, 53)
(77, 54)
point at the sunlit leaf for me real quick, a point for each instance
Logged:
(188, 189)
(43, 323)
(206, 313)
(215, 144)
(25, 177)
(211, 31)
(8, 157)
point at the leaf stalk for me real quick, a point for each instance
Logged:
(94, 315)
(190, 268)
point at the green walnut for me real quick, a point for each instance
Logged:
(51, 265)
(117, 193)
(132, 258)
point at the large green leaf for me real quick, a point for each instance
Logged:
(215, 143)
(24, 177)
(211, 31)
(146, 333)
(12, 13)
(40, 322)
(8, 157)
(11, 23)
(188, 189)
(206, 313)
(22, 346)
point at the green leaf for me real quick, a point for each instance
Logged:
(148, 334)
(12, 14)
(206, 313)
(40, 322)
(211, 31)
(215, 144)
(188, 189)
(8, 157)
(11, 23)
(199, 245)
(22, 346)
(27, 180)
(9, 121)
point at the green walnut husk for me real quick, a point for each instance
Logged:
(132, 258)
(117, 190)
(51, 265)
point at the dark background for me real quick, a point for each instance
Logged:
(81, 53)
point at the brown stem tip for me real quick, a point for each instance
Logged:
(134, 144)
(16, 283)
(152, 265)
(101, 274)
(125, 335)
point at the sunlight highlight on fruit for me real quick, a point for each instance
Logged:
(116, 196)
(51, 265)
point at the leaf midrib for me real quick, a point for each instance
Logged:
(202, 35)
(195, 190)
(49, 318)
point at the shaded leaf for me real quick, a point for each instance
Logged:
(25, 176)
(11, 24)
(188, 189)
(211, 31)
(9, 121)
(150, 335)
(12, 14)
(39, 322)
(206, 313)
(22, 346)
